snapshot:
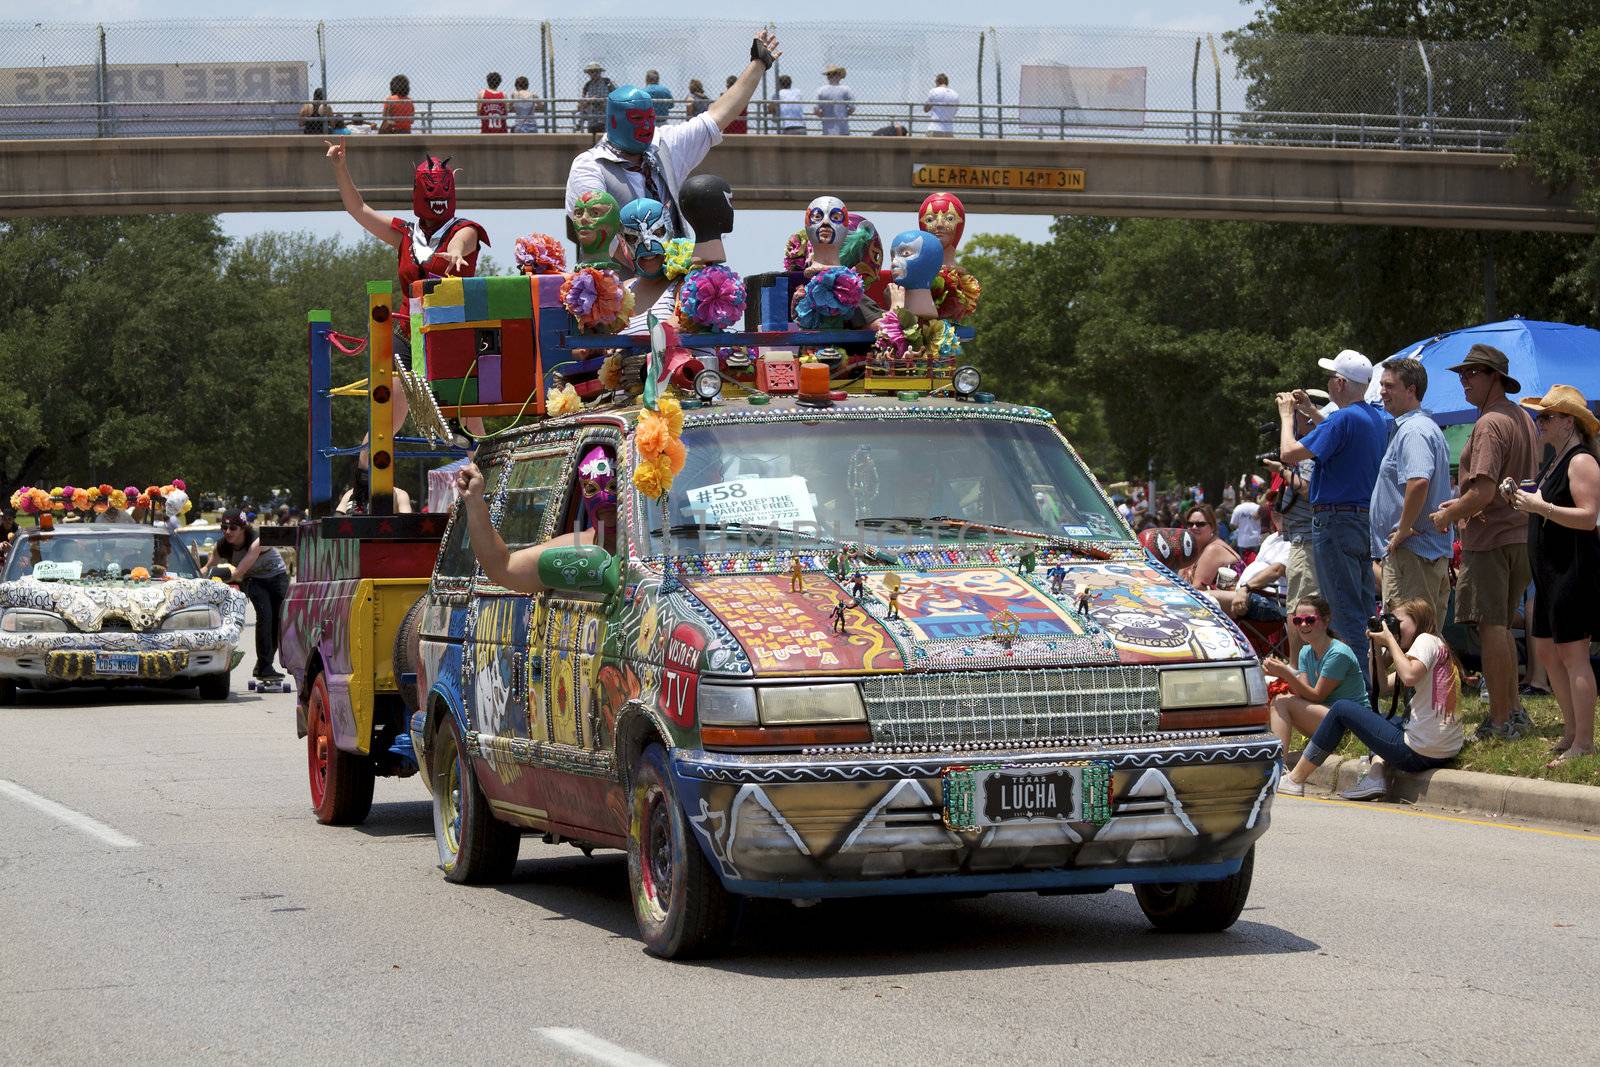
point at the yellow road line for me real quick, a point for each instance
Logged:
(1593, 839)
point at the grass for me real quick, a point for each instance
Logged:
(1525, 758)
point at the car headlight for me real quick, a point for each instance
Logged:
(197, 618)
(23, 621)
(1205, 687)
(726, 705)
(800, 705)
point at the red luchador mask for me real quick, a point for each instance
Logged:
(944, 216)
(433, 196)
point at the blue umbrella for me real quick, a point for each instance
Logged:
(1541, 354)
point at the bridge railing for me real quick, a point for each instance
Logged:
(109, 119)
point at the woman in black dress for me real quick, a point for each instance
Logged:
(1564, 549)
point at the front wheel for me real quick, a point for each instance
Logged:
(216, 686)
(475, 848)
(682, 907)
(1197, 907)
(341, 782)
(8, 692)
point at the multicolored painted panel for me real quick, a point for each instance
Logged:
(962, 605)
(788, 632)
(1152, 616)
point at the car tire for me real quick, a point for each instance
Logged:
(341, 782)
(1197, 907)
(8, 692)
(475, 848)
(682, 907)
(401, 656)
(215, 686)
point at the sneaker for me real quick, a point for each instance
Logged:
(1372, 785)
(1288, 787)
(1521, 722)
(1488, 731)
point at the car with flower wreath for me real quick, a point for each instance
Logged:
(113, 603)
(880, 638)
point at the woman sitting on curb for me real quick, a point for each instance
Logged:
(1328, 672)
(1430, 738)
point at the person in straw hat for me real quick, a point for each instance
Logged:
(1494, 538)
(835, 108)
(1564, 552)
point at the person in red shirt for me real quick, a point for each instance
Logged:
(438, 244)
(492, 106)
(742, 123)
(398, 110)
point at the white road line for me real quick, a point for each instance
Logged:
(75, 819)
(586, 1044)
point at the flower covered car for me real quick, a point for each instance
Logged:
(107, 602)
(888, 646)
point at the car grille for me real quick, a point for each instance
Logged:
(1012, 706)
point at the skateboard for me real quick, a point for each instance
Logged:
(270, 685)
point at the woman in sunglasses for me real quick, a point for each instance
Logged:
(1328, 672)
(260, 574)
(1429, 737)
(1211, 553)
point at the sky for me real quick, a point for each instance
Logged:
(758, 236)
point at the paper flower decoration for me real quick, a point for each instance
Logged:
(797, 252)
(139, 574)
(661, 450)
(595, 297)
(711, 297)
(669, 409)
(562, 401)
(891, 336)
(955, 293)
(653, 477)
(539, 253)
(828, 298)
(610, 373)
(80, 499)
(679, 258)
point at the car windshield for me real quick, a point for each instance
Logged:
(98, 553)
(888, 482)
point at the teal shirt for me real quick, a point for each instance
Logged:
(1338, 662)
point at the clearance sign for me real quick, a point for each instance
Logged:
(1040, 179)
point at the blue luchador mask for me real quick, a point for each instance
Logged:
(915, 258)
(646, 230)
(630, 118)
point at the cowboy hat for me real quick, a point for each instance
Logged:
(592, 66)
(1565, 400)
(1490, 358)
(835, 69)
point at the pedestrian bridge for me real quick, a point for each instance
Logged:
(1262, 182)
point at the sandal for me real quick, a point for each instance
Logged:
(1568, 756)
(1558, 747)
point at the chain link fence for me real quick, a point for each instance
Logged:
(1012, 81)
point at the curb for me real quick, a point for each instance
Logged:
(1495, 795)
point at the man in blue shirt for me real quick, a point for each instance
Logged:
(1413, 482)
(659, 93)
(1348, 446)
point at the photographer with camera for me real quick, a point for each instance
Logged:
(1292, 482)
(1328, 673)
(1430, 736)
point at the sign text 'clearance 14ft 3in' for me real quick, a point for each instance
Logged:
(961, 176)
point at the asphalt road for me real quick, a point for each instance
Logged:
(204, 916)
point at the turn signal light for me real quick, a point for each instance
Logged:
(784, 736)
(1213, 718)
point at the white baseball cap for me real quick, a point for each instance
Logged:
(1350, 365)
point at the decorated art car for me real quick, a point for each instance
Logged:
(887, 646)
(113, 603)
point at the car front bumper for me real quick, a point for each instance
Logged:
(859, 824)
(69, 666)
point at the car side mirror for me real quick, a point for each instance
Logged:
(580, 569)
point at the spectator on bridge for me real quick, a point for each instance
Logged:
(698, 103)
(894, 129)
(1564, 551)
(398, 110)
(636, 160)
(835, 108)
(660, 93)
(1413, 481)
(491, 105)
(787, 108)
(591, 113)
(1348, 446)
(315, 116)
(1430, 736)
(742, 123)
(1211, 552)
(1494, 537)
(524, 103)
(941, 106)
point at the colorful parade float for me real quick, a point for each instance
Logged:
(861, 628)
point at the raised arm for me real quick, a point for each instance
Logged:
(379, 225)
(763, 51)
(519, 570)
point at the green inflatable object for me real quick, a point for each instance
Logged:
(580, 569)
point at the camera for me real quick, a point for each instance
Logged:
(1273, 456)
(1386, 621)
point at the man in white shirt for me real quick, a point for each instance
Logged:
(791, 113)
(1258, 594)
(941, 105)
(1246, 526)
(835, 109)
(636, 160)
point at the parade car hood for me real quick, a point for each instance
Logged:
(138, 606)
(981, 617)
